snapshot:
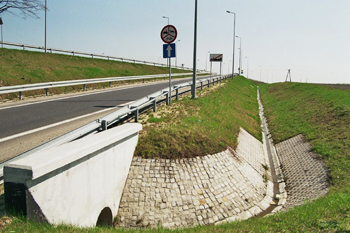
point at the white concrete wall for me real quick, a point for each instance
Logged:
(74, 182)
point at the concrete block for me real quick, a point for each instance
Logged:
(79, 183)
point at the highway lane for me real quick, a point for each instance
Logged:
(15, 120)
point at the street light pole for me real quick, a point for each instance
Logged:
(234, 39)
(176, 53)
(247, 66)
(240, 54)
(2, 38)
(166, 18)
(194, 53)
(45, 22)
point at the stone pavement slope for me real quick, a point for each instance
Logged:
(305, 173)
(197, 191)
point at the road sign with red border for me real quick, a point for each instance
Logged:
(216, 57)
(168, 34)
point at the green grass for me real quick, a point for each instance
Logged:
(319, 112)
(206, 125)
(19, 67)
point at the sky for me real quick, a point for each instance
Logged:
(309, 37)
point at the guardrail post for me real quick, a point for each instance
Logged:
(201, 85)
(177, 94)
(84, 87)
(110, 84)
(209, 83)
(104, 125)
(143, 81)
(129, 81)
(136, 115)
(154, 105)
(20, 95)
(47, 91)
(167, 99)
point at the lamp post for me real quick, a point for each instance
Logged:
(176, 52)
(45, 22)
(240, 54)
(166, 18)
(234, 38)
(247, 66)
(194, 53)
(2, 39)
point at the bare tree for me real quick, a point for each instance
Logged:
(26, 7)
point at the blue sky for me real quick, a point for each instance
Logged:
(310, 37)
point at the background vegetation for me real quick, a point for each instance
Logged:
(19, 67)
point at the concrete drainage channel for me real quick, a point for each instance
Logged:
(224, 187)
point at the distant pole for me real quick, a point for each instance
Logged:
(234, 39)
(240, 54)
(176, 53)
(166, 18)
(45, 22)
(2, 38)
(194, 53)
(247, 67)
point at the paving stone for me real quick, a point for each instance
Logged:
(306, 174)
(187, 192)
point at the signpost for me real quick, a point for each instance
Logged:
(216, 58)
(168, 35)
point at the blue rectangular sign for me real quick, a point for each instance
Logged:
(169, 50)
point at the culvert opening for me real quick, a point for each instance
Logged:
(105, 218)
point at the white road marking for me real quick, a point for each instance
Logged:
(56, 124)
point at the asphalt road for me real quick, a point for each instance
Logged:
(18, 119)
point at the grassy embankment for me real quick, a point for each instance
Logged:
(19, 67)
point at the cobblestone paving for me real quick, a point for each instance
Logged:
(306, 175)
(198, 191)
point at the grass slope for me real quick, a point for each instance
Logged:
(206, 125)
(24, 67)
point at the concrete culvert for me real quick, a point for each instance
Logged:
(105, 218)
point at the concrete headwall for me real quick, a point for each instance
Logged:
(78, 183)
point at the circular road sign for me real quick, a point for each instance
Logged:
(168, 34)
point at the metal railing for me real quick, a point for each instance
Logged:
(116, 116)
(48, 85)
(51, 50)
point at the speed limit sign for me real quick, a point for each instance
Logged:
(168, 34)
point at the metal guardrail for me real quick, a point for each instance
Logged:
(24, 46)
(114, 117)
(48, 85)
